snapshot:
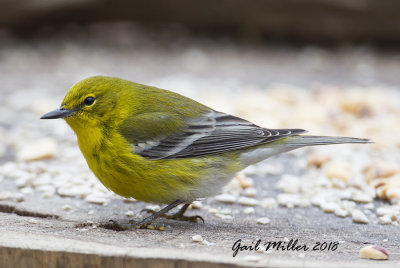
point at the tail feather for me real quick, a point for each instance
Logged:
(300, 141)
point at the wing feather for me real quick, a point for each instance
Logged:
(213, 133)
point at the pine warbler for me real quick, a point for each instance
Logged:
(157, 146)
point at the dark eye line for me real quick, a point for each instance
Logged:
(89, 101)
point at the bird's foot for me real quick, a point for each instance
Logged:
(133, 225)
(176, 216)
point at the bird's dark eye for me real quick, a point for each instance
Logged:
(89, 101)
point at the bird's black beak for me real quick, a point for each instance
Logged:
(58, 113)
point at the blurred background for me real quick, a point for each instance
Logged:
(208, 50)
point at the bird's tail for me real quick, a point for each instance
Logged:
(300, 141)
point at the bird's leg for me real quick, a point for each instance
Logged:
(178, 215)
(146, 222)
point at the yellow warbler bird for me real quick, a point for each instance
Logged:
(157, 146)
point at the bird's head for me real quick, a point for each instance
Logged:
(94, 101)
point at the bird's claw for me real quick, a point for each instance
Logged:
(177, 216)
(133, 225)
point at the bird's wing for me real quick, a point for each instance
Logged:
(212, 133)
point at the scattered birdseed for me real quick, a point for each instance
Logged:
(72, 191)
(205, 242)
(252, 258)
(197, 238)
(5, 195)
(317, 159)
(337, 170)
(26, 190)
(250, 192)
(226, 211)
(288, 200)
(382, 211)
(374, 253)
(341, 212)
(269, 203)
(329, 207)
(33, 221)
(249, 210)
(95, 199)
(130, 200)
(359, 217)
(385, 219)
(369, 206)
(66, 207)
(226, 198)
(196, 205)
(213, 210)
(153, 207)
(244, 181)
(247, 201)
(129, 213)
(38, 150)
(289, 184)
(223, 216)
(263, 220)
(362, 198)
